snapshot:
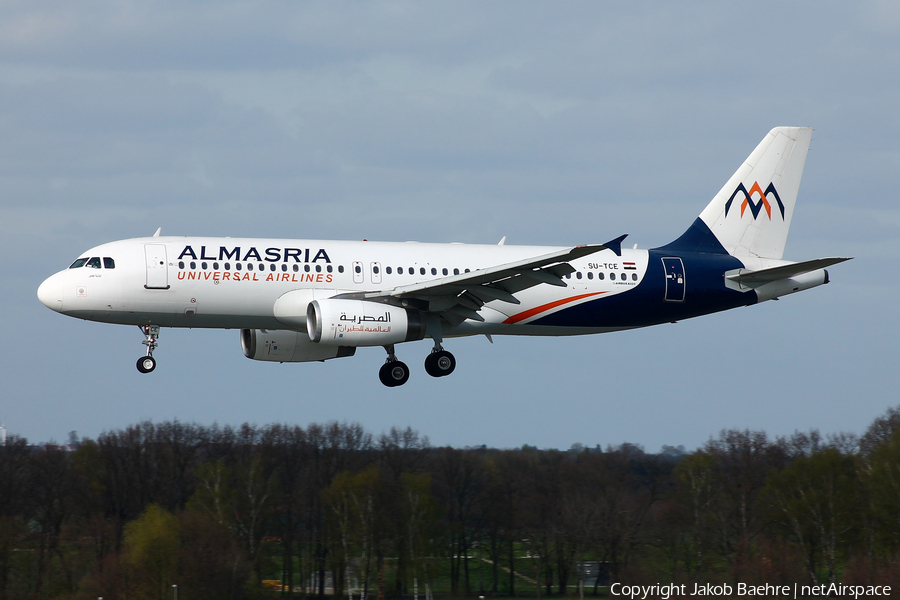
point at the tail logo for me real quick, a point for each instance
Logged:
(755, 206)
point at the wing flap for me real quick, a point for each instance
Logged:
(487, 293)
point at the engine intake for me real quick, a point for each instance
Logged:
(339, 322)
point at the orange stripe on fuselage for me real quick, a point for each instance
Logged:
(544, 307)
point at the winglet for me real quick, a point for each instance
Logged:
(158, 231)
(503, 241)
(616, 244)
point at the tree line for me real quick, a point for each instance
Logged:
(280, 510)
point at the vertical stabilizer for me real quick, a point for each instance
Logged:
(751, 214)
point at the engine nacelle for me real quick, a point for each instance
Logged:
(290, 308)
(338, 322)
(287, 346)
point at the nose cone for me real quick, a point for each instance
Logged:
(50, 293)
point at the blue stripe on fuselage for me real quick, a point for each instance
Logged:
(705, 264)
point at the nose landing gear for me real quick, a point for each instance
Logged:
(146, 364)
(394, 372)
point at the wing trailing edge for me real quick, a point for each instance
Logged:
(460, 297)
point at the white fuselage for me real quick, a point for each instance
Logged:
(235, 282)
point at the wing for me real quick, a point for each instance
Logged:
(460, 297)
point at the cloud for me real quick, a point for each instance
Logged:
(548, 123)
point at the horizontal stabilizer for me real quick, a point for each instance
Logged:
(762, 276)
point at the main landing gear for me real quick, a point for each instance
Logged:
(440, 362)
(394, 372)
(146, 364)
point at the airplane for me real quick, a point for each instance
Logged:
(315, 300)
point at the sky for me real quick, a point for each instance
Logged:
(554, 123)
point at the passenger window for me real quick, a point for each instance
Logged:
(296, 268)
(578, 275)
(421, 270)
(271, 267)
(374, 269)
(203, 265)
(238, 266)
(358, 269)
(180, 264)
(444, 271)
(399, 270)
(78, 263)
(94, 262)
(193, 265)
(590, 274)
(215, 266)
(108, 263)
(601, 276)
(456, 271)
(283, 267)
(433, 271)
(340, 268)
(249, 266)
(612, 276)
(329, 268)
(568, 276)
(227, 266)
(306, 268)
(387, 270)
(467, 270)
(318, 268)
(634, 276)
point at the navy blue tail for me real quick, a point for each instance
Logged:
(697, 238)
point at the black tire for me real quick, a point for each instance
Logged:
(444, 363)
(146, 364)
(430, 366)
(394, 373)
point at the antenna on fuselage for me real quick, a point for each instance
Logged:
(158, 231)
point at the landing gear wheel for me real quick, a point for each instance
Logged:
(440, 363)
(146, 364)
(394, 373)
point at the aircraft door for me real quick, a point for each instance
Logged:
(674, 269)
(357, 271)
(157, 270)
(376, 272)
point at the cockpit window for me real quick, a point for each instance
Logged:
(108, 263)
(94, 262)
(78, 263)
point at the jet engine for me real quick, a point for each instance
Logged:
(287, 346)
(339, 322)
